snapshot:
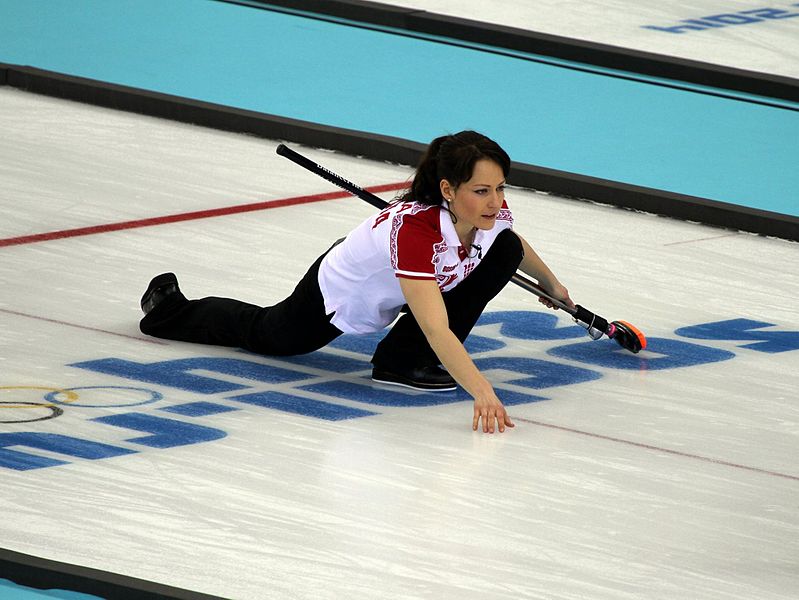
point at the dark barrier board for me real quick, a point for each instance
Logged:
(394, 150)
(43, 574)
(591, 53)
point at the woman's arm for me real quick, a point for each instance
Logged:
(427, 305)
(535, 267)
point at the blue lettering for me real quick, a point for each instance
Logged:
(307, 393)
(660, 353)
(51, 442)
(198, 409)
(327, 361)
(365, 344)
(383, 397)
(677, 28)
(301, 405)
(511, 398)
(744, 17)
(177, 373)
(166, 433)
(362, 344)
(528, 325)
(380, 396)
(541, 373)
(741, 330)
(475, 344)
(707, 24)
(732, 19)
(771, 13)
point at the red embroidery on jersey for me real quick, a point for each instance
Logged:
(383, 216)
(438, 249)
(444, 280)
(468, 268)
(395, 227)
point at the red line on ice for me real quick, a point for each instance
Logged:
(189, 216)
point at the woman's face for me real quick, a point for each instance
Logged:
(476, 202)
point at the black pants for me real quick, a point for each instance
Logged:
(298, 324)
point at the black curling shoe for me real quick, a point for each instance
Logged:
(160, 287)
(426, 379)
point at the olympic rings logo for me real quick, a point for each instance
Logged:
(52, 402)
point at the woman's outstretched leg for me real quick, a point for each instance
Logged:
(296, 325)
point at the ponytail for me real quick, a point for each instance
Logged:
(452, 157)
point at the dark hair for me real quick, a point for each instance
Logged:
(452, 157)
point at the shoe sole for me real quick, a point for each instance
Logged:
(157, 282)
(415, 387)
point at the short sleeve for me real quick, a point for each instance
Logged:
(413, 244)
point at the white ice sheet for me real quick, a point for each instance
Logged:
(640, 484)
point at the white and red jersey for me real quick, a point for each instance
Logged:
(358, 277)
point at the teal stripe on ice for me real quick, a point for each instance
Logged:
(12, 591)
(329, 73)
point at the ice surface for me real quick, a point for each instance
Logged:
(639, 482)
